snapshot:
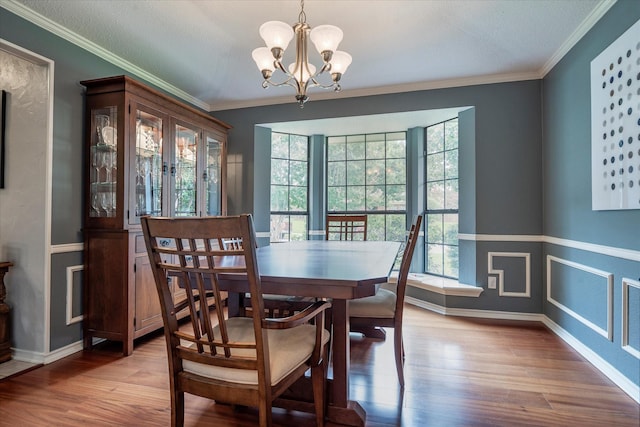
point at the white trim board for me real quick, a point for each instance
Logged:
(629, 254)
(626, 284)
(67, 247)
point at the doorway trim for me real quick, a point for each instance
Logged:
(24, 54)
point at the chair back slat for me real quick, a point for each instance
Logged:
(190, 250)
(346, 227)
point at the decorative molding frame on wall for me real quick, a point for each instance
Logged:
(608, 333)
(71, 270)
(500, 273)
(626, 284)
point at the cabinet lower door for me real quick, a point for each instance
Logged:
(148, 315)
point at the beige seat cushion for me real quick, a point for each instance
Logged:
(288, 348)
(380, 305)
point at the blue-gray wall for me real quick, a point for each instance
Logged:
(525, 194)
(72, 64)
(525, 186)
(500, 177)
(576, 272)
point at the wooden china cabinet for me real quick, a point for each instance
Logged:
(145, 154)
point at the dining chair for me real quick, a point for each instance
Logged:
(247, 361)
(346, 227)
(384, 309)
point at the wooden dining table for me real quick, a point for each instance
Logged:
(336, 270)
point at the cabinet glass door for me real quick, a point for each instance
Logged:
(184, 170)
(148, 164)
(104, 167)
(212, 176)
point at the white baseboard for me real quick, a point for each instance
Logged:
(633, 390)
(28, 356)
(42, 358)
(465, 312)
(602, 365)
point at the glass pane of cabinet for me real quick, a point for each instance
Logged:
(184, 170)
(148, 164)
(212, 181)
(104, 167)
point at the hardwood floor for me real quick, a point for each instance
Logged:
(459, 372)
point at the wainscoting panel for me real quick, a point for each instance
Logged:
(631, 316)
(74, 293)
(574, 282)
(526, 272)
(66, 311)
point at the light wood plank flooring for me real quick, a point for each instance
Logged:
(459, 372)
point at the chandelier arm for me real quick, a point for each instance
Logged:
(284, 83)
(327, 86)
(278, 64)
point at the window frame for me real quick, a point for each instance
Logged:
(387, 214)
(444, 211)
(289, 213)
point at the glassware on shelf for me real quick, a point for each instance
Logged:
(104, 167)
(212, 185)
(148, 162)
(185, 161)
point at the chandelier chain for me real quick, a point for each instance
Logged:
(302, 17)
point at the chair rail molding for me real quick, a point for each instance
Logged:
(629, 254)
(67, 247)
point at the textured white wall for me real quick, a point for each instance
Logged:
(23, 218)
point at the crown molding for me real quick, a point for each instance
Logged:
(55, 28)
(381, 90)
(595, 15)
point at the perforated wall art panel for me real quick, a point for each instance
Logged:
(615, 124)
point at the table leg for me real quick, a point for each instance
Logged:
(341, 353)
(341, 410)
(233, 304)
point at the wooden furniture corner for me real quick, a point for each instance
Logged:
(5, 310)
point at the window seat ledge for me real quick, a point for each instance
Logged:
(440, 285)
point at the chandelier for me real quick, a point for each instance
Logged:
(300, 74)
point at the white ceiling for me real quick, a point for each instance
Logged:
(200, 50)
